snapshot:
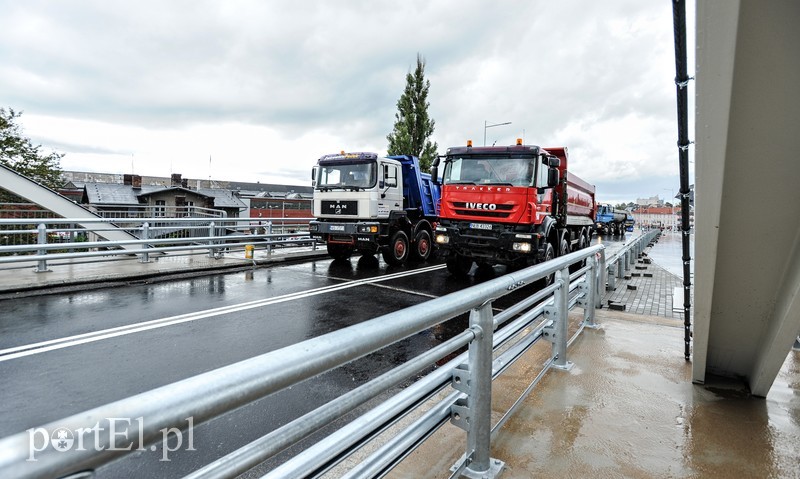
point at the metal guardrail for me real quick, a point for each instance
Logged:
(211, 394)
(495, 341)
(216, 235)
(626, 257)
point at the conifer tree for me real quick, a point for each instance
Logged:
(413, 126)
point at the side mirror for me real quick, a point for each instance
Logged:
(314, 176)
(435, 174)
(553, 162)
(553, 177)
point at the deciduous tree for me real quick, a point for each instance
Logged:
(18, 153)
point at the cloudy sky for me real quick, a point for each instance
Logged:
(254, 90)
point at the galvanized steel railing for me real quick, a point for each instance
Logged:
(211, 394)
(540, 315)
(53, 239)
(626, 257)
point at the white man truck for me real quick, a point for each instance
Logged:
(365, 203)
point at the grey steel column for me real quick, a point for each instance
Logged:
(212, 227)
(145, 258)
(480, 395)
(42, 239)
(560, 299)
(591, 292)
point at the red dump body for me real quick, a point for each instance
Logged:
(580, 198)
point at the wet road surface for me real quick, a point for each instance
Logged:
(66, 353)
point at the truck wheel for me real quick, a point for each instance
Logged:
(397, 251)
(459, 265)
(564, 248)
(422, 246)
(340, 251)
(549, 253)
(580, 264)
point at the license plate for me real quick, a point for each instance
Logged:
(337, 227)
(480, 226)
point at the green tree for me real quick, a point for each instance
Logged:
(412, 126)
(18, 153)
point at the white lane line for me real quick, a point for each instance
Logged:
(60, 343)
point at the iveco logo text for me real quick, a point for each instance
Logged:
(482, 206)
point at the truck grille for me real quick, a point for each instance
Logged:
(502, 211)
(340, 208)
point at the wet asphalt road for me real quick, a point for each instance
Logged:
(41, 385)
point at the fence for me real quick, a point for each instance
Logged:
(494, 342)
(64, 239)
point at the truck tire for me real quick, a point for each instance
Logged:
(422, 246)
(396, 253)
(564, 248)
(340, 251)
(549, 253)
(459, 265)
(579, 264)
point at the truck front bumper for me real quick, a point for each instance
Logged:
(346, 233)
(497, 244)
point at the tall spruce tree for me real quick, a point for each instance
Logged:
(412, 126)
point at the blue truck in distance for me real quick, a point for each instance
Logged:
(613, 221)
(367, 204)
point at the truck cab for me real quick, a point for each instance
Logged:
(367, 203)
(515, 205)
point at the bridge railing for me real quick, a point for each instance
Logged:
(624, 258)
(56, 239)
(494, 341)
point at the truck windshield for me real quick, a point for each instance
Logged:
(347, 175)
(489, 171)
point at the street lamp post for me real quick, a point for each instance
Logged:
(487, 125)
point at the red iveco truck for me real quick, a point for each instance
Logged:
(514, 205)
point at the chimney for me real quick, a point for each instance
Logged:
(126, 179)
(175, 179)
(185, 182)
(136, 181)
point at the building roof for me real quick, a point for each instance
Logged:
(119, 194)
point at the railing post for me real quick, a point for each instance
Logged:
(557, 332)
(589, 288)
(479, 402)
(602, 271)
(269, 239)
(612, 278)
(212, 231)
(145, 258)
(42, 239)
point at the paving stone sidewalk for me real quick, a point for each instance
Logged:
(647, 289)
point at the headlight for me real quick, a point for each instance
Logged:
(442, 239)
(367, 229)
(313, 227)
(521, 247)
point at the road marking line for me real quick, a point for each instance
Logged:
(60, 343)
